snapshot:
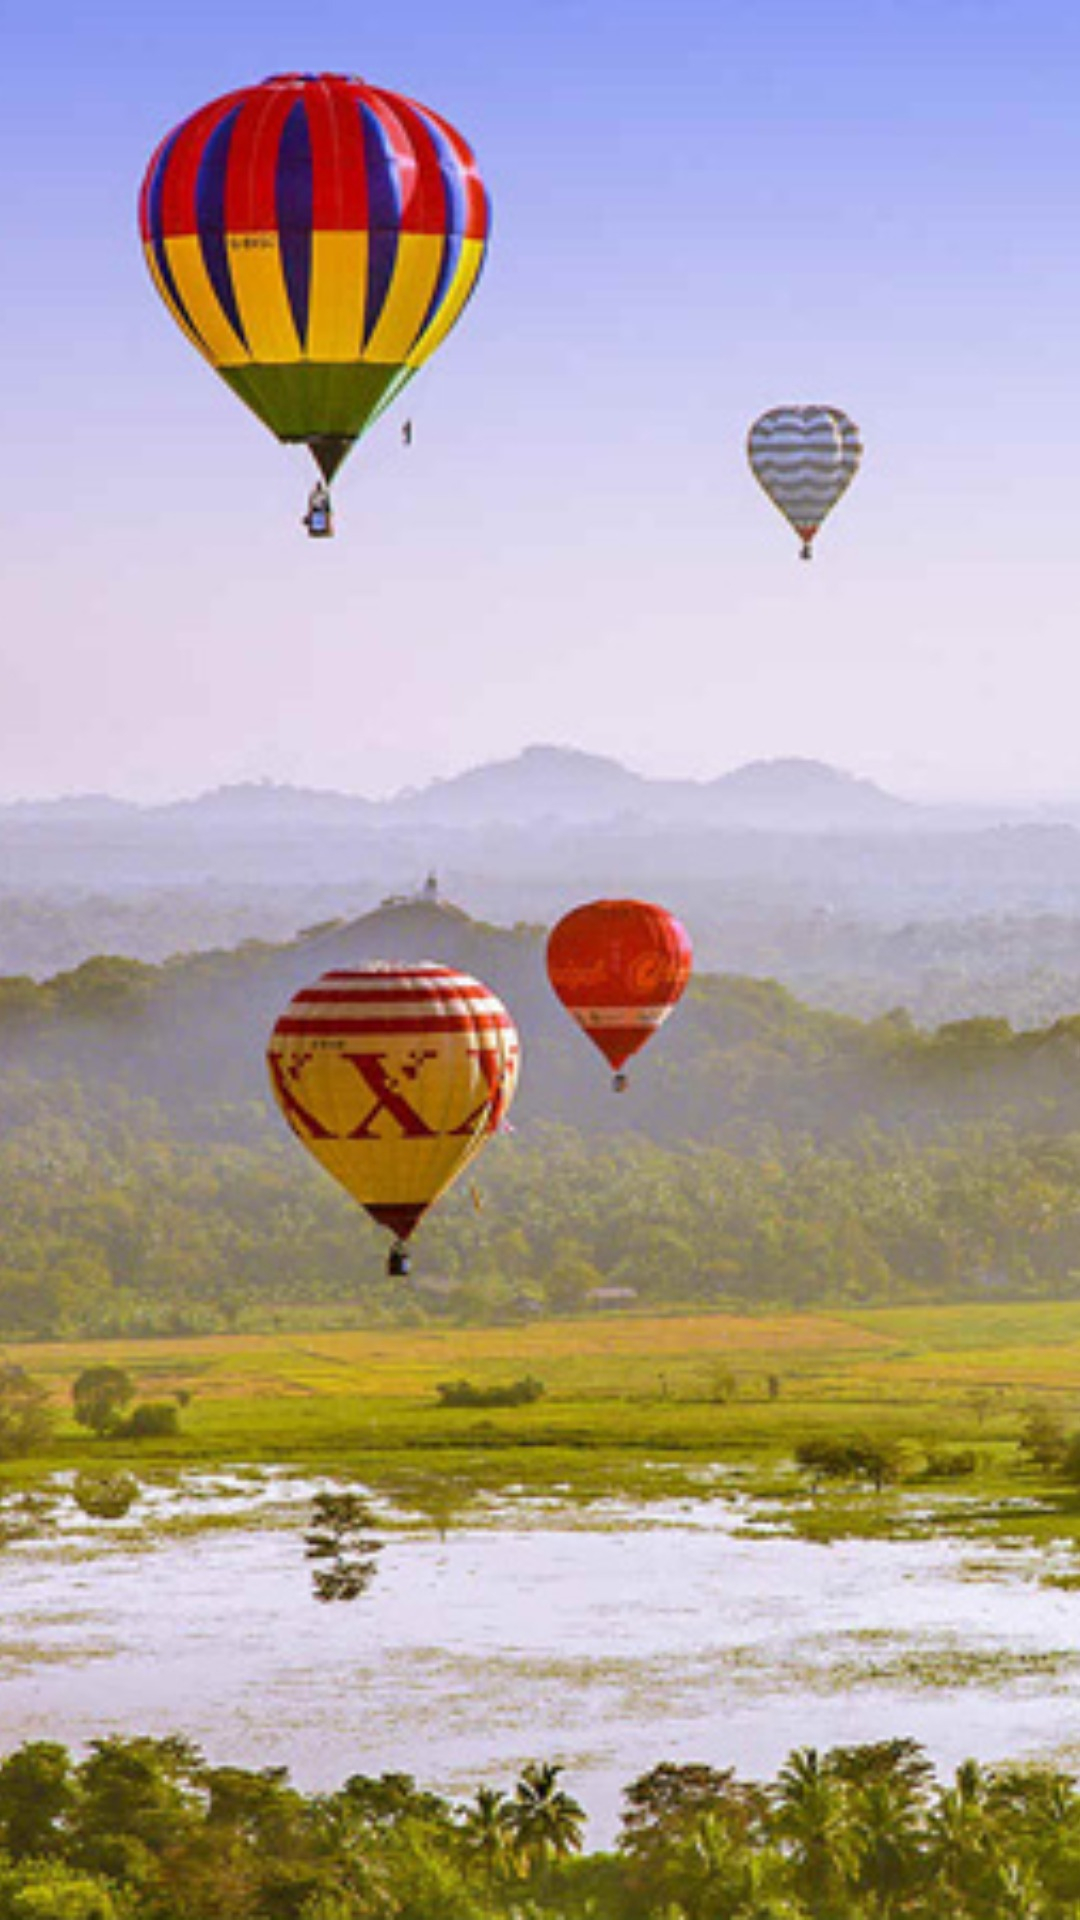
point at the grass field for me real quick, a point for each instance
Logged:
(631, 1405)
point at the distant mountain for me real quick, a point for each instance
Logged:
(73, 807)
(565, 786)
(542, 786)
(806, 796)
(258, 803)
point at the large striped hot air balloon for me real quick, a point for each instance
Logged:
(394, 1077)
(805, 458)
(619, 966)
(316, 239)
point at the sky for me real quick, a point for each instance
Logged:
(700, 210)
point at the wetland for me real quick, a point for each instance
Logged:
(605, 1634)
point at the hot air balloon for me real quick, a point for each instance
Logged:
(805, 458)
(394, 1077)
(619, 966)
(316, 239)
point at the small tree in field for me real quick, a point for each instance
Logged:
(100, 1395)
(26, 1419)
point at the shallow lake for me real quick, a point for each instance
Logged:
(608, 1638)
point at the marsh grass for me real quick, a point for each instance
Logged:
(630, 1409)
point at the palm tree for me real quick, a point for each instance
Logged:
(1015, 1894)
(888, 1828)
(548, 1825)
(714, 1871)
(1033, 1821)
(812, 1819)
(961, 1850)
(488, 1827)
(887, 1784)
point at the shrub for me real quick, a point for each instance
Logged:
(950, 1463)
(1044, 1437)
(516, 1393)
(1070, 1465)
(858, 1458)
(152, 1420)
(105, 1496)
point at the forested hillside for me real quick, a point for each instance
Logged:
(740, 1054)
(765, 1153)
(940, 958)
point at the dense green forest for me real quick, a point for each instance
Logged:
(113, 1226)
(767, 1154)
(148, 1828)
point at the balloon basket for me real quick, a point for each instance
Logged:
(319, 518)
(398, 1264)
(620, 1083)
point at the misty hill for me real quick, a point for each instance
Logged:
(806, 796)
(855, 899)
(543, 784)
(946, 923)
(551, 784)
(738, 1054)
(266, 804)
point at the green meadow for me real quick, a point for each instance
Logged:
(632, 1407)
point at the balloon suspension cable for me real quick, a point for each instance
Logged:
(620, 1083)
(398, 1264)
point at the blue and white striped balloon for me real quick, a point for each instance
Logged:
(805, 458)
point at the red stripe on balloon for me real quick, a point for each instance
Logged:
(179, 215)
(360, 990)
(428, 1023)
(427, 970)
(251, 180)
(339, 164)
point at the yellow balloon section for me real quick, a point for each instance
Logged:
(394, 1077)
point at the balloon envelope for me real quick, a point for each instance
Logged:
(316, 239)
(619, 966)
(394, 1077)
(805, 458)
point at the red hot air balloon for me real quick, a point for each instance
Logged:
(619, 966)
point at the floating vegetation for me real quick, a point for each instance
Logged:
(105, 1496)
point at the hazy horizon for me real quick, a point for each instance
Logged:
(926, 795)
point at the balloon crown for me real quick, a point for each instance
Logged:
(308, 79)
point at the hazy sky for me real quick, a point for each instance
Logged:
(701, 210)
